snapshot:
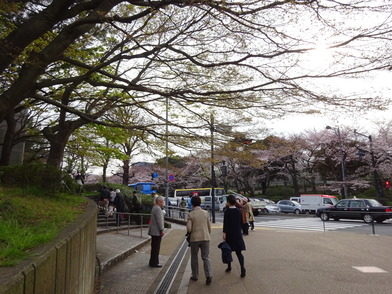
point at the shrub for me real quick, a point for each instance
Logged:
(50, 179)
(282, 192)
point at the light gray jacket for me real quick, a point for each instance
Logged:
(156, 222)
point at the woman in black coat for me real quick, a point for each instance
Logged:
(232, 232)
(119, 202)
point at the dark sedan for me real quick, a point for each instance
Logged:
(365, 209)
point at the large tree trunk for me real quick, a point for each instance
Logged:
(58, 137)
(104, 172)
(8, 140)
(126, 169)
(293, 173)
(56, 152)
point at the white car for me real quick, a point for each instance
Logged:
(258, 205)
(270, 206)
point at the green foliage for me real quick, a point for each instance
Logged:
(91, 188)
(368, 193)
(49, 179)
(28, 219)
(279, 193)
(372, 194)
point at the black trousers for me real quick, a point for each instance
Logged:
(118, 218)
(155, 247)
(245, 229)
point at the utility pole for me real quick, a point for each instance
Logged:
(379, 191)
(337, 132)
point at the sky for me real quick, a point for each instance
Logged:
(376, 83)
(294, 124)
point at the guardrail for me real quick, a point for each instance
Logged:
(170, 212)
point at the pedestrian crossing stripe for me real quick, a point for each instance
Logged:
(307, 224)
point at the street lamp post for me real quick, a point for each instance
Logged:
(374, 170)
(166, 181)
(337, 131)
(212, 168)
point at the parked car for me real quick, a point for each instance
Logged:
(270, 206)
(258, 205)
(223, 199)
(289, 206)
(365, 209)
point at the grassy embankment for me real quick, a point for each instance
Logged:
(28, 220)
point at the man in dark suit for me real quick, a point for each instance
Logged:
(156, 230)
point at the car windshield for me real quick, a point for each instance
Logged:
(374, 203)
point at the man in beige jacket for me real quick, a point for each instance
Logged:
(199, 226)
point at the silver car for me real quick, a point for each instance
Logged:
(288, 206)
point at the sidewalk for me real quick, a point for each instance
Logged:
(133, 274)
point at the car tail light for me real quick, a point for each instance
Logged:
(388, 210)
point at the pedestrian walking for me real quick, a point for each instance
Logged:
(155, 230)
(232, 232)
(79, 178)
(135, 203)
(112, 196)
(112, 206)
(119, 202)
(251, 215)
(104, 197)
(199, 228)
(182, 206)
(243, 205)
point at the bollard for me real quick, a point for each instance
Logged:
(373, 227)
(324, 225)
(141, 226)
(129, 222)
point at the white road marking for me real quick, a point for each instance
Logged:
(308, 224)
(370, 269)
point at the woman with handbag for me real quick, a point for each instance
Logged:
(232, 232)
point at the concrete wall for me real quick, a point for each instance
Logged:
(65, 265)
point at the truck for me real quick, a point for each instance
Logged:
(310, 203)
(144, 187)
(205, 195)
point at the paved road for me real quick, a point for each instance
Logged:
(312, 223)
(278, 260)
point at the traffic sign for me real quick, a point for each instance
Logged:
(171, 177)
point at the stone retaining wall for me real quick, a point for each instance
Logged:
(65, 265)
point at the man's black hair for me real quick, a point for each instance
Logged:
(195, 201)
